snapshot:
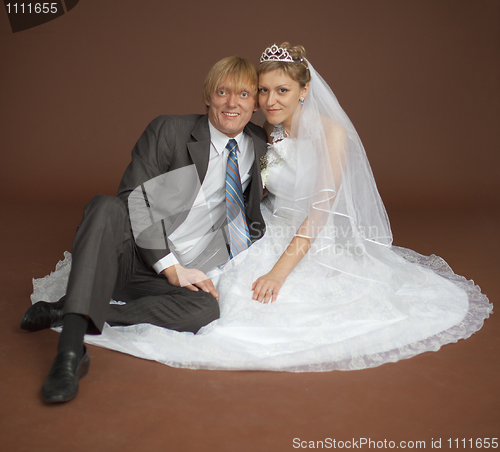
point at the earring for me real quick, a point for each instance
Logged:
(301, 101)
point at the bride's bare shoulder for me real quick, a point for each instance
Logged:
(336, 136)
(331, 127)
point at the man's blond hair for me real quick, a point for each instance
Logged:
(239, 71)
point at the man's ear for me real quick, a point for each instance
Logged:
(256, 107)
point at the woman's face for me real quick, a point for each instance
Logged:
(279, 97)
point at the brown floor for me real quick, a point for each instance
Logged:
(129, 404)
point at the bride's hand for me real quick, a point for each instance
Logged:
(267, 287)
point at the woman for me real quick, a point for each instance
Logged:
(323, 289)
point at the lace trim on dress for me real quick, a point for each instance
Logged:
(279, 133)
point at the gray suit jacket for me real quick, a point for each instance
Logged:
(173, 142)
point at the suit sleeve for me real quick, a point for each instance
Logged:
(150, 158)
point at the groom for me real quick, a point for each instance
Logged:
(188, 201)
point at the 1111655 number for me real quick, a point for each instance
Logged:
(29, 8)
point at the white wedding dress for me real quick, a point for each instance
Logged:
(324, 319)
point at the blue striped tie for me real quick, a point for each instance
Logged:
(235, 208)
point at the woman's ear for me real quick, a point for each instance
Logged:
(304, 91)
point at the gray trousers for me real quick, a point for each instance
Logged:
(106, 264)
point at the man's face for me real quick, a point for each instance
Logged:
(230, 110)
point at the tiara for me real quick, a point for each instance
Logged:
(275, 53)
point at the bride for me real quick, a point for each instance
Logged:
(324, 289)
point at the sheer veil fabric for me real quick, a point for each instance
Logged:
(333, 174)
(354, 301)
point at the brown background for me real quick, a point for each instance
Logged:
(420, 79)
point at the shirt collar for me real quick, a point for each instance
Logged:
(219, 140)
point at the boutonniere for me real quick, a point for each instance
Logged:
(264, 169)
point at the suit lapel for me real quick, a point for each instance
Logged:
(254, 191)
(260, 148)
(199, 148)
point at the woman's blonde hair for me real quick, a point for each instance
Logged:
(298, 70)
(239, 71)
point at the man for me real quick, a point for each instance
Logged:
(156, 264)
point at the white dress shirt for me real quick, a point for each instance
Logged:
(210, 205)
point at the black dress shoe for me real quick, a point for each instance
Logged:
(42, 315)
(61, 385)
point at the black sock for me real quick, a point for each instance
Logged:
(71, 339)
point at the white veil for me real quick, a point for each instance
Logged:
(333, 198)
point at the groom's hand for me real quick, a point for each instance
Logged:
(190, 278)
